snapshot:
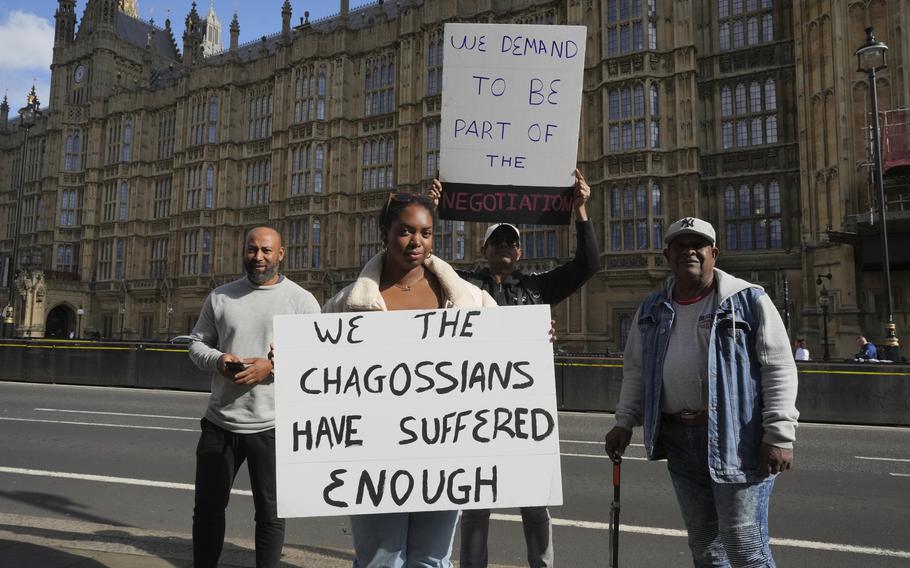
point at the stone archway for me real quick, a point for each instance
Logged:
(60, 322)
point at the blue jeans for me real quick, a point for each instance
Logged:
(475, 529)
(727, 522)
(397, 540)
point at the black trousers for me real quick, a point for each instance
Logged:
(219, 455)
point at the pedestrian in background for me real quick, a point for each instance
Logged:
(802, 353)
(708, 373)
(867, 350)
(232, 339)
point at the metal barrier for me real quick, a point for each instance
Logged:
(852, 393)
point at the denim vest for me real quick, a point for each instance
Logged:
(734, 382)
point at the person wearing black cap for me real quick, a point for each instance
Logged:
(509, 286)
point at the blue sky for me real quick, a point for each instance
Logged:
(27, 32)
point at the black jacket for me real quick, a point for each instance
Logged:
(549, 287)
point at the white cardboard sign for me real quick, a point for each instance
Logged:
(511, 104)
(415, 411)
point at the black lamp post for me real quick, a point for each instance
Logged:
(122, 310)
(28, 116)
(80, 311)
(871, 57)
(824, 300)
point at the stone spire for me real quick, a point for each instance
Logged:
(235, 32)
(130, 7)
(212, 42)
(4, 114)
(286, 18)
(65, 26)
(193, 37)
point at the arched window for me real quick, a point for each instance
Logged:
(770, 94)
(655, 102)
(317, 175)
(320, 97)
(726, 101)
(123, 201)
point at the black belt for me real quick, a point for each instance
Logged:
(687, 418)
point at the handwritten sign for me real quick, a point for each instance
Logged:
(511, 104)
(415, 411)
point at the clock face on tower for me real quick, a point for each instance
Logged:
(79, 74)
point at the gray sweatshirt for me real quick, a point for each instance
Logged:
(237, 318)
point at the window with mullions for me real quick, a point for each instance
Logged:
(162, 197)
(193, 187)
(72, 157)
(127, 150)
(752, 216)
(627, 118)
(304, 244)
(67, 258)
(749, 114)
(631, 26)
(167, 128)
(309, 94)
(114, 132)
(448, 240)
(115, 202)
(260, 115)
(636, 217)
(198, 121)
(70, 203)
(256, 185)
(538, 241)
(434, 63)
(158, 258)
(370, 242)
(197, 252)
(379, 86)
(307, 163)
(432, 149)
(377, 156)
(742, 23)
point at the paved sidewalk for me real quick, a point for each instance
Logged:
(40, 542)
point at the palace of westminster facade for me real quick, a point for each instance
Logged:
(149, 160)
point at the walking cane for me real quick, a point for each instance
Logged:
(614, 515)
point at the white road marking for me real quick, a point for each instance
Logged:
(655, 531)
(109, 479)
(882, 459)
(99, 424)
(900, 474)
(600, 443)
(600, 457)
(118, 414)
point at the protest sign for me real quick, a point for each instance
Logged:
(407, 411)
(511, 103)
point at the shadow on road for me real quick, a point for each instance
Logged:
(56, 504)
(27, 554)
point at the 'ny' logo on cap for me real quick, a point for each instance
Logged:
(688, 222)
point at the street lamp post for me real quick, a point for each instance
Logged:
(28, 116)
(169, 313)
(824, 301)
(122, 310)
(871, 57)
(80, 311)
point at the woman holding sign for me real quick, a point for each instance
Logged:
(406, 276)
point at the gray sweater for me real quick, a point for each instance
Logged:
(237, 318)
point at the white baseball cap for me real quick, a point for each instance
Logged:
(691, 226)
(492, 229)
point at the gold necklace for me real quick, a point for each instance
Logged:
(407, 287)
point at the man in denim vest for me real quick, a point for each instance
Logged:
(709, 376)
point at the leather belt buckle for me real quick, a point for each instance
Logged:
(689, 418)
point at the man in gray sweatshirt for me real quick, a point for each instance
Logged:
(232, 340)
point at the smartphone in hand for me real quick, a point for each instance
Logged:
(235, 366)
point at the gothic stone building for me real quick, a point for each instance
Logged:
(149, 160)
